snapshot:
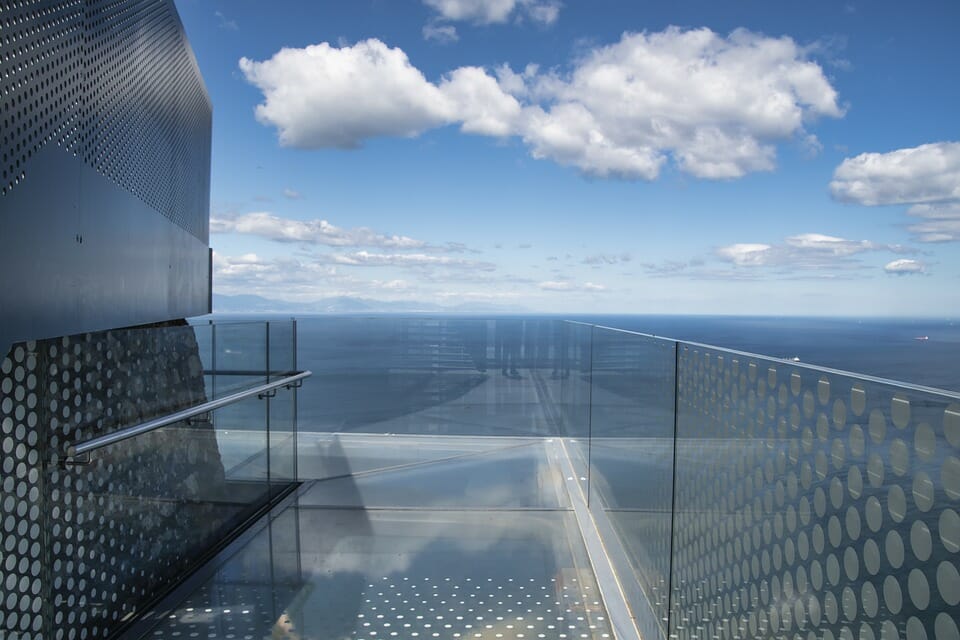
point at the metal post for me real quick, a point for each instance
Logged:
(673, 487)
(294, 428)
(267, 405)
(213, 364)
(590, 416)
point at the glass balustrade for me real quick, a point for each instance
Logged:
(138, 458)
(464, 477)
(811, 501)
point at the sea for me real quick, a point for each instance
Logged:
(374, 371)
(920, 351)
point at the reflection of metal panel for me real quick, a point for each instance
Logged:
(104, 196)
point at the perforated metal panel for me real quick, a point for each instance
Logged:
(147, 115)
(41, 81)
(83, 546)
(812, 504)
(114, 83)
(105, 160)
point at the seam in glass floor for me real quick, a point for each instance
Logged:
(485, 543)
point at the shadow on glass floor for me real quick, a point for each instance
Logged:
(433, 550)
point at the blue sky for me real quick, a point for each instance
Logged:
(747, 157)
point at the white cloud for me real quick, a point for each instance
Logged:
(247, 263)
(496, 11)
(927, 176)
(716, 105)
(544, 12)
(607, 258)
(923, 174)
(481, 11)
(226, 23)
(480, 296)
(272, 227)
(516, 84)
(697, 270)
(808, 251)
(904, 267)
(566, 285)
(292, 194)
(324, 96)
(442, 33)
(484, 108)
(745, 254)
(939, 222)
(368, 259)
(314, 277)
(811, 145)
(832, 245)
(293, 278)
(395, 285)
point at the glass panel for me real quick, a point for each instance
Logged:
(248, 592)
(631, 465)
(453, 574)
(204, 334)
(242, 438)
(330, 455)
(425, 376)
(239, 357)
(810, 501)
(517, 476)
(283, 407)
(88, 541)
(573, 369)
(282, 354)
(283, 438)
(143, 511)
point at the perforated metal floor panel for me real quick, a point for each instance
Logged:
(342, 572)
(411, 608)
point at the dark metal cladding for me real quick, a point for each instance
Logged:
(104, 168)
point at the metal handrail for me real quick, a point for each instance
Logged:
(263, 390)
(949, 393)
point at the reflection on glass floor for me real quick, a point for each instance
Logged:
(468, 538)
(431, 472)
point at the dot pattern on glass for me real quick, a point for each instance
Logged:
(400, 606)
(115, 531)
(815, 506)
(82, 76)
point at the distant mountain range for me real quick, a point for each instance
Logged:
(246, 303)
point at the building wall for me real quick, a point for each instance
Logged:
(105, 128)
(104, 168)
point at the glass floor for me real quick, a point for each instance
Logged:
(426, 538)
